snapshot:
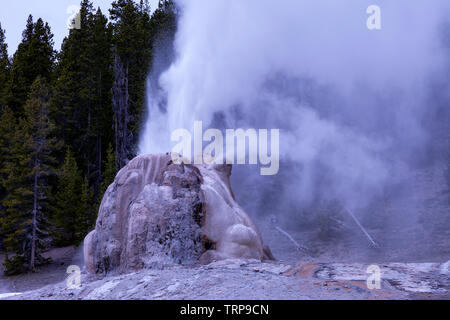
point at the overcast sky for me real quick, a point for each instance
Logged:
(13, 17)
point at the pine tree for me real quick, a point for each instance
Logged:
(66, 203)
(82, 102)
(132, 59)
(100, 124)
(34, 57)
(74, 209)
(110, 170)
(4, 68)
(7, 128)
(71, 97)
(25, 222)
(87, 215)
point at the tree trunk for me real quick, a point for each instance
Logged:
(121, 110)
(126, 121)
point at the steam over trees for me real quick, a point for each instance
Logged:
(69, 120)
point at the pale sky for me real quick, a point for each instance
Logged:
(14, 17)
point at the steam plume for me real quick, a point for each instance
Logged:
(349, 101)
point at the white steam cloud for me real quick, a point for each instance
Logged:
(348, 100)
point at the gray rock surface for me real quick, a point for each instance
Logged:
(228, 279)
(157, 213)
(240, 279)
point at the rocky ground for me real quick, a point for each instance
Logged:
(252, 280)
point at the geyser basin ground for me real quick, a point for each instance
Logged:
(252, 280)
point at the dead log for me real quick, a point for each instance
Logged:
(296, 244)
(362, 228)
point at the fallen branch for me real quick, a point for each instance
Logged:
(287, 235)
(362, 228)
